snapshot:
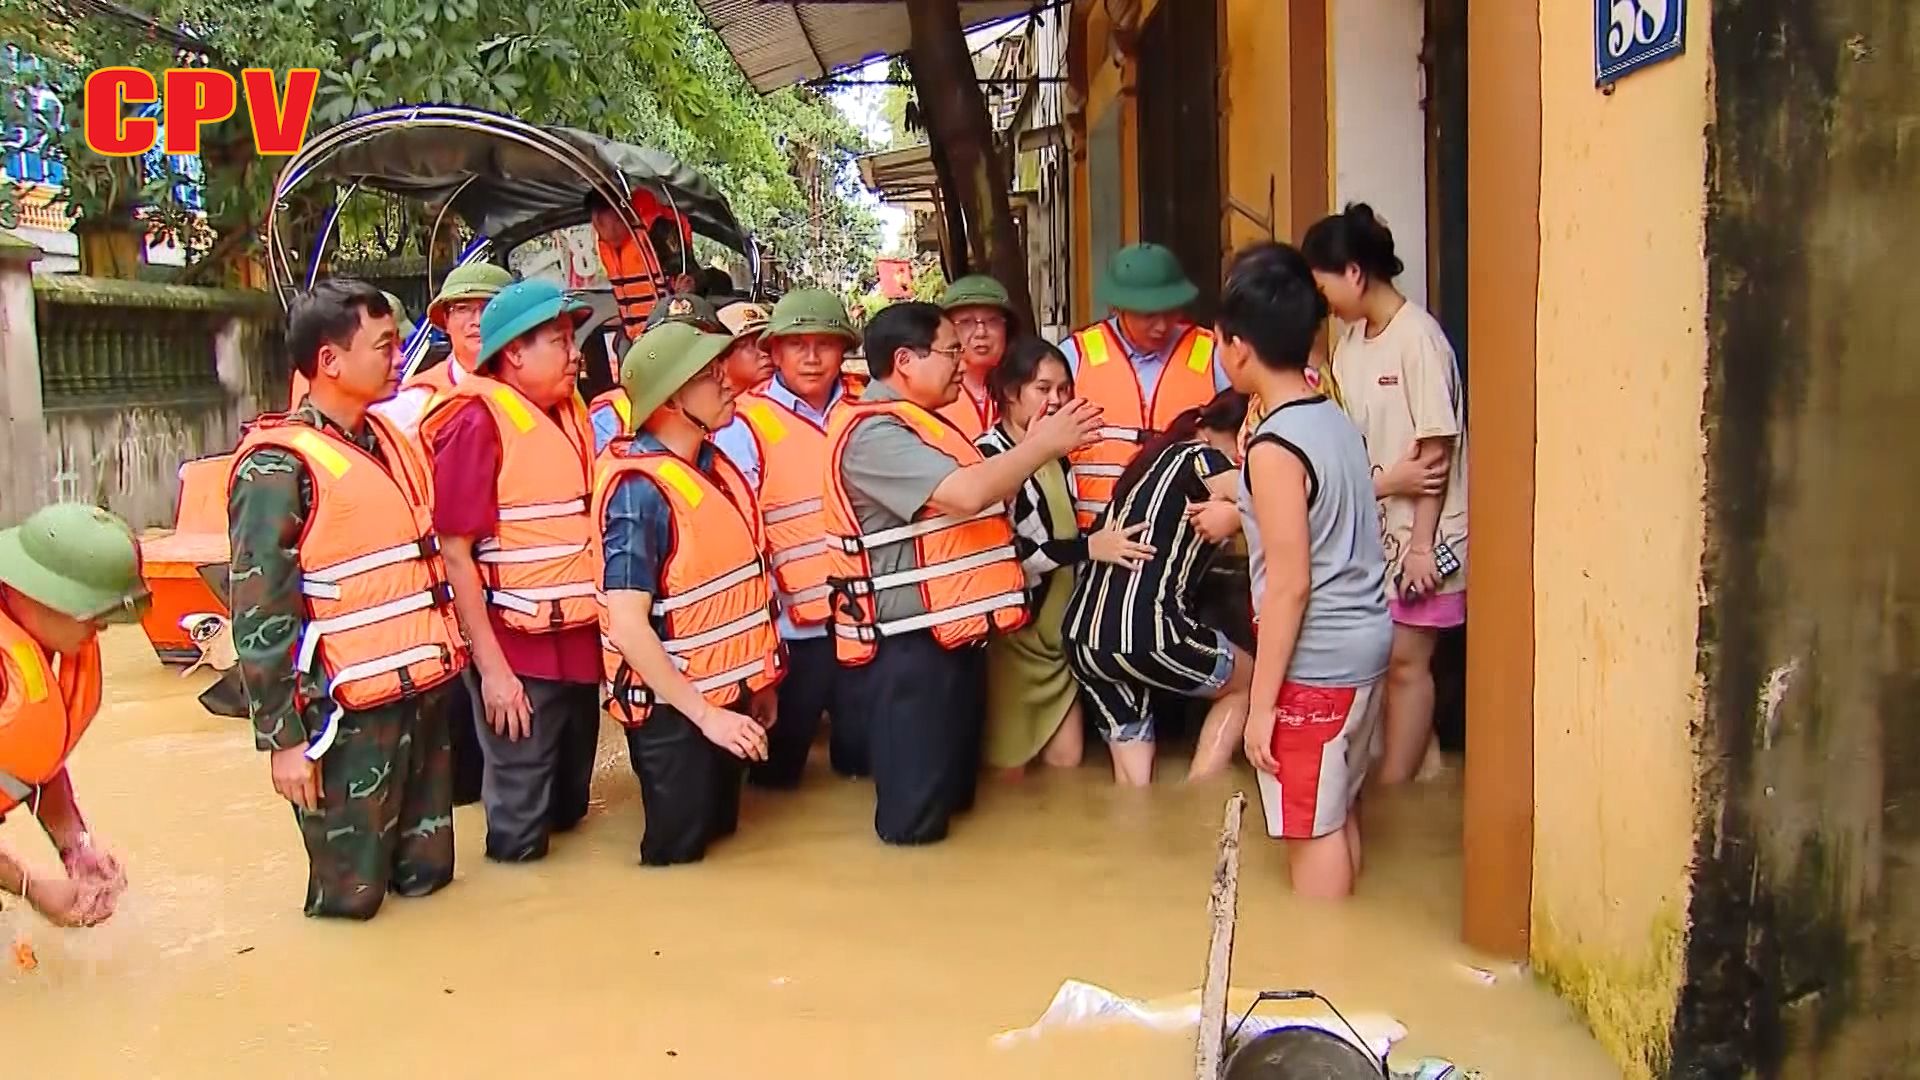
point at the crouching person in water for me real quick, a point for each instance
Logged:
(64, 571)
(923, 563)
(342, 617)
(688, 643)
(1319, 577)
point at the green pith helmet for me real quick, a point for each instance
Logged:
(662, 361)
(474, 281)
(521, 307)
(977, 290)
(399, 315)
(811, 311)
(79, 560)
(1145, 279)
(687, 308)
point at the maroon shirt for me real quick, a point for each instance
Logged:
(466, 464)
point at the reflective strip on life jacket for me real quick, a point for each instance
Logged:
(639, 697)
(379, 621)
(325, 582)
(931, 619)
(966, 573)
(364, 671)
(718, 585)
(540, 568)
(793, 455)
(869, 541)
(793, 510)
(315, 629)
(1107, 378)
(714, 607)
(15, 789)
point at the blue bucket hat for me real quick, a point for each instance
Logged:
(520, 307)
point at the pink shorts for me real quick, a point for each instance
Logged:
(1442, 612)
(1323, 740)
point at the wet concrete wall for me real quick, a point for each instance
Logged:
(1618, 525)
(1804, 953)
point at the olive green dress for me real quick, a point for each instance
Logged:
(1029, 688)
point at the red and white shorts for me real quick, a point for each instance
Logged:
(1323, 743)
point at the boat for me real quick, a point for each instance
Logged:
(510, 182)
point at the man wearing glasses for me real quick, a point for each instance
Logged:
(983, 316)
(1145, 364)
(64, 572)
(922, 564)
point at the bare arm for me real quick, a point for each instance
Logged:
(1435, 454)
(60, 815)
(630, 627)
(502, 696)
(968, 491)
(1280, 509)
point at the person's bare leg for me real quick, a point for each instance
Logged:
(1432, 764)
(1132, 762)
(1409, 706)
(1068, 745)
(1220, 736)
(1226, 722)
(1322, 867)
(1352, 831)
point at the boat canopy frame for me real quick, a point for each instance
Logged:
(509, 180)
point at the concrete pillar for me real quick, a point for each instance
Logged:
(22, 486)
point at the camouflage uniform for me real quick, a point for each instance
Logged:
(386, 807)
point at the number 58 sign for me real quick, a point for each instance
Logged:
(1630, 34)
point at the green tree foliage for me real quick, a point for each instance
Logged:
(645, 71)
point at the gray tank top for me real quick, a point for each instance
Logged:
(1347, 634)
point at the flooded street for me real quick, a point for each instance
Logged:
(801, 948)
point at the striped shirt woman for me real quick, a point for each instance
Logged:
(1031, 695)
(1132, 633)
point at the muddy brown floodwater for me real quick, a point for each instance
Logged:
(801, 948)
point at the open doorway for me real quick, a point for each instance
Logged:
(1180, 140)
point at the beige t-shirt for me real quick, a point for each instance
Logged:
(1398, 387)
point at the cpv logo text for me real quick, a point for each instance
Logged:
(194, 98)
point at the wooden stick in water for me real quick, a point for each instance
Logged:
(1210, 1051)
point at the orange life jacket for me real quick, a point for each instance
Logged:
(380, 617)
(968, 575)
(43, 712)
(793, 457)
(1106, 377)
(539, 568)
(637, 280)
(973, 418)
(616, 401)
(714, 599)
(438, 378)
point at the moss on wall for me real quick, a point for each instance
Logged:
(1628, 1003)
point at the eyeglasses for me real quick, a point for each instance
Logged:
(951, 354)
(971, 324)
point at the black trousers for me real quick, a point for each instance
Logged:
(469, 764)
(925, 736)
(689, 787)
(815, 684)
(539, 785)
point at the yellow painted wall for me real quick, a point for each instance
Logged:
(1619, 528)
(1255, 128)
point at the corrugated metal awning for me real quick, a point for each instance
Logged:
(781, 42)
(903, 177)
